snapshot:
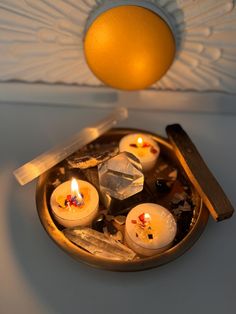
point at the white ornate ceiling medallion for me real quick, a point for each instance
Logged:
(42, 40)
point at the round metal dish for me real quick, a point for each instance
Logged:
(198, 224)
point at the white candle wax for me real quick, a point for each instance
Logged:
(71, 216)
(143, 147)
(150, 229)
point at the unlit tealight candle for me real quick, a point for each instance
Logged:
(143, 147)
(150, 229)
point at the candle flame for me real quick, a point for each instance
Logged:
(147, 217)
(75, 191)
(140, 142)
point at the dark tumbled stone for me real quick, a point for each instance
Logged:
(183, 225)
(99, 223)
(111, 228)
(162, 186)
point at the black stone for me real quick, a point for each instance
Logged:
(190, 201)
(111, 228)
(183, 225)
(162, 186)
(99, 223)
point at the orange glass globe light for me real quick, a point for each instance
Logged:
(129, 47)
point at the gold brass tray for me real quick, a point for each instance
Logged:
(198, 222)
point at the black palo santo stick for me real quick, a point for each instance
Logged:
(199, 174)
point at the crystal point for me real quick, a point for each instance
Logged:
(99, 244)
(121, 176)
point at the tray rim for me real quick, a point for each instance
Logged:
(141, 264)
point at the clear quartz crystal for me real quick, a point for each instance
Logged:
(99, 244)
(121, 176)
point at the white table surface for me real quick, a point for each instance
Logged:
(37, 277)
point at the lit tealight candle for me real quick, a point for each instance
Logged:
(74, 203)
(143, 147)
(150, 229)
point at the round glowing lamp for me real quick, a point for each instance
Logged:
(129, 47)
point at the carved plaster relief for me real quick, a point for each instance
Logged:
(42, 40)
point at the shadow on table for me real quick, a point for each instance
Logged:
(61, 283)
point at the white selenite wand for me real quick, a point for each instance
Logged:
(47, 160)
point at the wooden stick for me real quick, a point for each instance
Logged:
(199, 174)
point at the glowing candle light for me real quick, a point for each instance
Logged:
(140, 142)
(143, 147)
(76, 191)
(74, 203)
